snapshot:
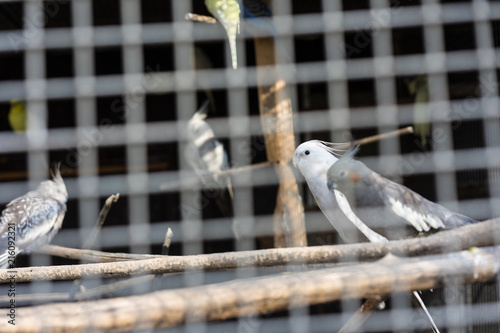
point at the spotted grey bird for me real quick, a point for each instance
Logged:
(32, 220)
(207, 157)
(388, 208)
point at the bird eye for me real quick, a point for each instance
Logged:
(342, 173)
(307, 152)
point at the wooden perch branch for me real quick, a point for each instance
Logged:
(482, 234)
(277, 126)
(88, 294)
(259, 295)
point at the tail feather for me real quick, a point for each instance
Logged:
(4, 257)
(4, 260)
(231, 36)
(458, 220)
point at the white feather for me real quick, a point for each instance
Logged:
(416, 219)
(346, 209)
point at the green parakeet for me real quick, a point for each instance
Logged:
(418, 87)
(227, 12)
(17, 115)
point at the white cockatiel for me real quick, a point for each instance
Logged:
(313, 159)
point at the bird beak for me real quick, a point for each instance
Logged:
(295, 161)
(331, 185)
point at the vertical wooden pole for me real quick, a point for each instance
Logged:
(277, 125)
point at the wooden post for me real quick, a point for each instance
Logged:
(277, 125)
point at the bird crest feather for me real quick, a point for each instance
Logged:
(332, 148)
(202, 111)
(350, 152)
(56, 174)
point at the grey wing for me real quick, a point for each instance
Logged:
(36, 221)
(210, 158)
(422, 214)
(193, 158)
(213, 155)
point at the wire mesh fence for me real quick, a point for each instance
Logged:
(108, 89)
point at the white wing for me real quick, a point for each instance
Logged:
(346, 209)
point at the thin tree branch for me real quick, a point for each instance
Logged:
(200, 18)
(192, 181)
(166, 244)
(259, 295)
(479, 235)
(378, 137)
(89, 242)
(92, 255)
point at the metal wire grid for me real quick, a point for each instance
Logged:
(134, 82)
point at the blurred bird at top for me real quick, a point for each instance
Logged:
(257, 16)
(33, 219)
(227, 12)
(418, 87)
(254, 11)
(206, 155)
(17, 115)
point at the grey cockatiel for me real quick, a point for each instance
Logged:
(390, 209)
(206, 155)
(314, 158)
(32, 220)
